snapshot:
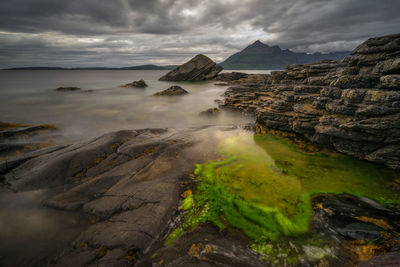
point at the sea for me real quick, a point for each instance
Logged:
(101, 106)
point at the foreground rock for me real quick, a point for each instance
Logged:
(352, 105)
(172, 91)
(127, 183)
(357, 229)
(140, 83)
(69, 88)
(199, 68)
(126, 187)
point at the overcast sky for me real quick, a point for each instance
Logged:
(119, 33)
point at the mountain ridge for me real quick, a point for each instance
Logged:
(259, 56)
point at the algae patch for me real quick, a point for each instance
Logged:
(264, 187)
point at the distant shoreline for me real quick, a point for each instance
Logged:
(141, 67)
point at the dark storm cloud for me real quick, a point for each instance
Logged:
(131, 32)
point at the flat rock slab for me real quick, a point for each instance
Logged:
(126, 183)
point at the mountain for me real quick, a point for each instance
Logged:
(141, 67)
(259, 56)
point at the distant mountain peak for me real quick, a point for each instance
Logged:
(262, 56)
(258, 43)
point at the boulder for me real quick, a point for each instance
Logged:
(198, 68)
(172, 91)
(140, 83)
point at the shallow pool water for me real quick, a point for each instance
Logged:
(263, 186)
(272, 172)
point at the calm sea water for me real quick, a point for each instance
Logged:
(30, 97)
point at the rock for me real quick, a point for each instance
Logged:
(205, 246)
(68, 88)
(352, 105)
(361, 226)
(17, 139)
(211, 112)
(140, 83)
(198, 68)
(391, 81)
(129, 182)
(172, 91)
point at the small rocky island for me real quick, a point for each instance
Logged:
(199, 68)
(139, 83)
(313, 183)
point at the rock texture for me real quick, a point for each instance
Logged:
(352, 105)
(198, 68)
(17, 139)
(140, 83)
(127, 184)
(172, 91)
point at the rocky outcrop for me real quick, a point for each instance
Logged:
(198, 68)
(139, 83)
(172, 91)
(126, 183)
(352, 105)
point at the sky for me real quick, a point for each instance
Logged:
(118, 33)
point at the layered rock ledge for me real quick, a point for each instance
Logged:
(352, 105)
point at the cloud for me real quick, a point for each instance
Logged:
(132, 32)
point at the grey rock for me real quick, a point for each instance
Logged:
(198, 68)
(139, 83)
(172, 91)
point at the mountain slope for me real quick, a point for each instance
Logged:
(261, 56)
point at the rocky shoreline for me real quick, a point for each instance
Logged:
(351, 105)
(128, 188)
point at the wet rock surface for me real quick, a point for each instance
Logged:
(172, 91)
(351, 105)
(126, 183)
(17, 139)
(198, 68)
(362, 227)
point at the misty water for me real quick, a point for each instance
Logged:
(30, 97)
(29, 231)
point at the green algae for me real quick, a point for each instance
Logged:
(264, 187)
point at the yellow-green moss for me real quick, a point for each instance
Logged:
(265, 185)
